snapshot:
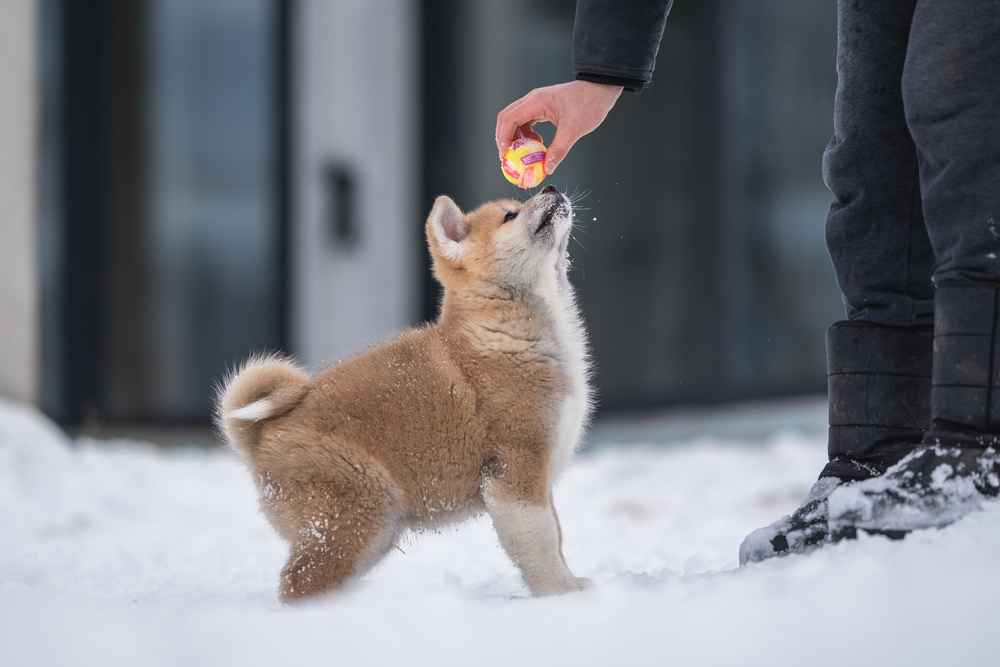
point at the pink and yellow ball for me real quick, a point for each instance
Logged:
(523, 164)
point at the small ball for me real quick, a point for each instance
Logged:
(523, 164)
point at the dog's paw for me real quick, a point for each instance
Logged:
(565, 585)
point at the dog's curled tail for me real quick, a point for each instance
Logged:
(263, 387)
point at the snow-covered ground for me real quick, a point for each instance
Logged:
(125, 554)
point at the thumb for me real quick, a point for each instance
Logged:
(566, 137)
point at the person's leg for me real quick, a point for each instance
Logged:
(951, 92)
(879, 359)
(875, 229)
(951, 89)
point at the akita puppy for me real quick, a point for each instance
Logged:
(478, 411)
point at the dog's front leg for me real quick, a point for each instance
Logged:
(530, 534)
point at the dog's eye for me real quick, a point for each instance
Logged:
(510, 216)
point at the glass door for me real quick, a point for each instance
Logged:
(164, 259)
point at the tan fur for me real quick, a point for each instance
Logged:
(445, 421)
(281, 381)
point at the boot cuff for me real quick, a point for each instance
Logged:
(879, 383)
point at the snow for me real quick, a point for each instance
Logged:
(123, 553)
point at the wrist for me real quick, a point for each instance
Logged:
(606, 88)
(617, 82)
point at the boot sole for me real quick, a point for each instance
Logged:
(852, 533)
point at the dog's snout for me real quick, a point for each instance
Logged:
(548, 190)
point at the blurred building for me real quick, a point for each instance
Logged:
(18, 265)
(192, 180)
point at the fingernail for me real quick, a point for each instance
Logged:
(550, 168)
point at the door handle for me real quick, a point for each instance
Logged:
(341, 208)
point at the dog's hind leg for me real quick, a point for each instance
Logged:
(530, 534)
(337, 545)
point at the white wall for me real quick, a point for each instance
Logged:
(18, 271)
(356, 88)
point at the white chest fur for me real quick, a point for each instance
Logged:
(570, 339)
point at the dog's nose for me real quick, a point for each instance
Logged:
(548, 190)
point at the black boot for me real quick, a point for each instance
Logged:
(958, 466)
(879, 380)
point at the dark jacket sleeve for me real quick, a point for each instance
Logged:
(616, 41)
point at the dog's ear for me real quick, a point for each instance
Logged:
(447, 228)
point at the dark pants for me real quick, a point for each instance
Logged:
(914, 162)
(914, 230)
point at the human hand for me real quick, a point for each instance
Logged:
(576, 108)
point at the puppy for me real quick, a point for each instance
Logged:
(478, 411)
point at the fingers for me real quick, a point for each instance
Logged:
(503, 121)
(507, 125)
(566, 136)
(529, 109)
